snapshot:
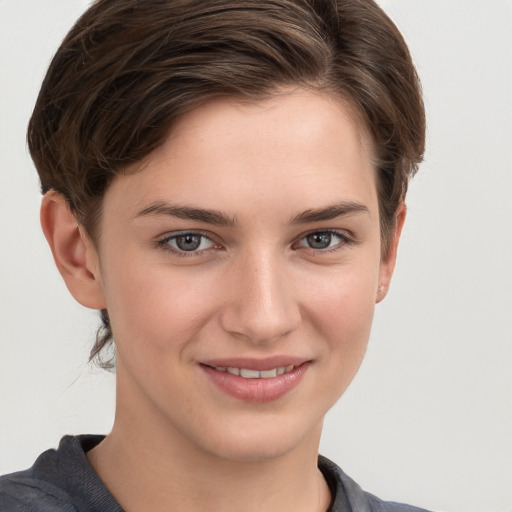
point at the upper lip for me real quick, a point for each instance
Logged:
(251, 363)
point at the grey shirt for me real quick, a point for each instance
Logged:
(62, 480)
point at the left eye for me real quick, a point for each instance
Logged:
(188, 242)
(322, 240)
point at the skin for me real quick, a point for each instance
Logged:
(255, 288)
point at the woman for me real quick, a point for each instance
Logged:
(225, 182)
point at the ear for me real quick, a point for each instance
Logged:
(73, 251)
(387, 264)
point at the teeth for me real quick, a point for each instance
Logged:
(255, 374)
(249, 374)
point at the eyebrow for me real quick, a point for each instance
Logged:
(218, 218)
(330, 212)
(213, 217)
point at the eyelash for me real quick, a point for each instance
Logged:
(344, 240)
(164, 244)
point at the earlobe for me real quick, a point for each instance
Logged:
(387, 264)
(73, 251)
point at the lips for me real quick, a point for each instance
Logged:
(256, 381)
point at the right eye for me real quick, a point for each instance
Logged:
(186, 243)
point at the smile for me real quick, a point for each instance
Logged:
(256, 381)
(256, 374)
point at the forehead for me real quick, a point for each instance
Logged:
(299, 145)
(290, 118)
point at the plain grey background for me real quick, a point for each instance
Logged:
(428, 420)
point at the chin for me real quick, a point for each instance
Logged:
(260, 441)
(254, 450)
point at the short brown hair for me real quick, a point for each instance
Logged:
(128, 69)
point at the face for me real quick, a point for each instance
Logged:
(240, 269)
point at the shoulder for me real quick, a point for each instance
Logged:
(348, 495)
(22, 492)
(59, 481)
(377, 505)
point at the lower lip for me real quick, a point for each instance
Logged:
(256, 390)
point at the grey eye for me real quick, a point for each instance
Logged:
(189, 242)
(319, 240)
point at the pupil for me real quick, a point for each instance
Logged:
(188, 242)
(319, 240)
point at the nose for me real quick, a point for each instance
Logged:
(262, 305)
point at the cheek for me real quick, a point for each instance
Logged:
(340, 309)
(156, 307)
(345, 306)
(344, 296)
